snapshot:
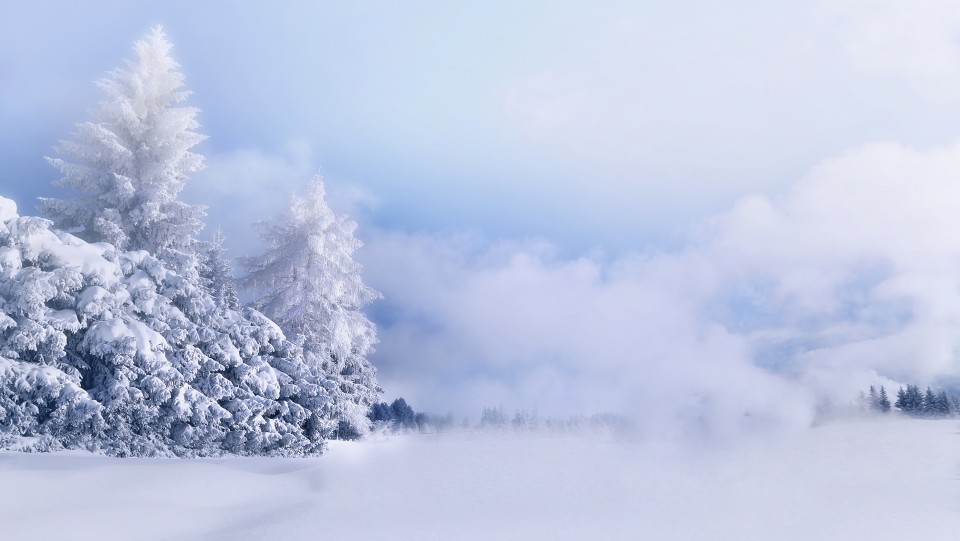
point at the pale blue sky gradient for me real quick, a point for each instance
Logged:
(606, 124)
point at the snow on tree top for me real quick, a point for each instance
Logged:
(114, 330)
(8, 209)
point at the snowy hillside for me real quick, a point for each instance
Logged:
(878, 480)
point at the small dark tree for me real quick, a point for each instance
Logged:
(403, 413)
(882, 401)
(381, 412)
(943, 404)
(901, 403)
(914, 400)
(930, 403)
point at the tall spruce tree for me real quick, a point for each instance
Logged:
(131, 161)
(309, 283)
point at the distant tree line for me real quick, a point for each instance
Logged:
(497, 418)
(399, 416)
(911, 401)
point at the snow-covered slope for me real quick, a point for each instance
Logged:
(877, 480)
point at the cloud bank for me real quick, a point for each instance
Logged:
(848, 279)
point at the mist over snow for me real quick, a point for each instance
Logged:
(769, 309)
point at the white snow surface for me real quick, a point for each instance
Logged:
(879, 480)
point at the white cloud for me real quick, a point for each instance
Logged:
(916, 41)
(850, 278)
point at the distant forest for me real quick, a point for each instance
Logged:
(910, 400)
(399, 416)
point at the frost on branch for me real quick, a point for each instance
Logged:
(131, 161)
(310, 285)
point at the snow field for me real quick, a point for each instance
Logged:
(884, 479)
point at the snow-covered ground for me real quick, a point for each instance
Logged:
(866, 479)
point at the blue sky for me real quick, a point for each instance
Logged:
(535, 151)
(609, 124)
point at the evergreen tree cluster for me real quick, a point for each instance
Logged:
(121, 331)
(927, 404)
(875, 400)
(496, 418)
(911, 401)
(399, 416)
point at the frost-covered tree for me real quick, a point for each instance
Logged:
(309, 283)
(216, 273)
(130, 162)
(40, 391)
(110, 338)
(114, 351)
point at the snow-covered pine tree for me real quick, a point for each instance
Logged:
(109, 346)
(113, 351)
(40, 394)
(131, 161)
(309, 283)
